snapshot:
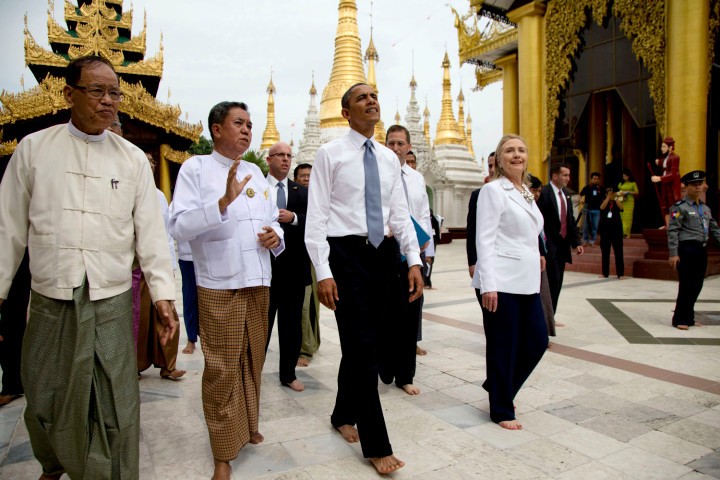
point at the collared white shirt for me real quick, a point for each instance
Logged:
(564, 196)
(273, 190)
(419, 203)
(336, 199)
(225, 247)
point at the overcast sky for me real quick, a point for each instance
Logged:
(225, 49)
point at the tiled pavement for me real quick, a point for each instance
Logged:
(619, 395)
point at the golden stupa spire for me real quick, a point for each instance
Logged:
(371, 56)
(468, 129)
(426, 123)
(447, 127)
(271, 134)
(347, 67)
(461, 116)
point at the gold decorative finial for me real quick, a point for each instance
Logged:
(468, 129)
(271, 134)
(447, 127)
(461, 116)
(347, 67)
(426, 123)
(313, 90)
(22, 82)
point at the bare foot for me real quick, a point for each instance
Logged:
(420, 351)
(45, 476)
(558, 324)
(174, 375)
(510, 425)
(189, 348)
(223, 471)
(411, 389)
(256, 437)
(303, 362)
(698, 324)
(296, 385)
(349, 433)
(5, 399)
(387, 464)
(682, 327)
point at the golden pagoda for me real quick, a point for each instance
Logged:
(447, 128)
(100, 27)
(271, 135)
(468, 130)
(347, 67)
(426, 123)
(371, 55)
(461, 116)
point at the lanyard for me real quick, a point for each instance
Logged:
(706, 226)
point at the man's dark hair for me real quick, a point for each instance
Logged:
(535, 182)
(301, 166)
(345, 100)
(74, 69)
(410, 152)
(398, 128)
(555, 168)
(595, 174)
(219, 113)
(492, 154)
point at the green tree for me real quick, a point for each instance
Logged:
(202, 147)
(256, 157)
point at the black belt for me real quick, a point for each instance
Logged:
(697, 243)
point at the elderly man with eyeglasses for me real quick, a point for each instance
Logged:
(84, 202)
(291, 270)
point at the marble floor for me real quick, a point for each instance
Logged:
(619, 395)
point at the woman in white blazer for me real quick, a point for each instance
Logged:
(507, 279)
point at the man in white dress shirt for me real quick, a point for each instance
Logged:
(223, 207)
(404, 345)
(347, 239)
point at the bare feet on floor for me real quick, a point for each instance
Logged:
(303, 362)
(558, 324)
(411, 389)
(189, 348)
(682, 327)
(349, 433)
(510, 425)
(256, 437)
(420, 351)
(5, 399)
(174, 375)
(223, 471)
(51, 477)
(296, 385)
(387, 464)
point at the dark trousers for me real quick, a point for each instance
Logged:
(517, 337)
(366, 279)
(13, 319)
(189, 294)
(399, 339)
(691, 272)
(612, 238)
(287, 295)
(555, 271)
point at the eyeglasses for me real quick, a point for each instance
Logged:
(97, 93)
(281, 154)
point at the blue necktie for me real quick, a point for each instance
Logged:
(281, 201)
(373, 197)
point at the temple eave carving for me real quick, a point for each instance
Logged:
(485, 78)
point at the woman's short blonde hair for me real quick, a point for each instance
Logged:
(499, 172)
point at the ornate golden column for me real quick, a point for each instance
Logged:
(687, 80)
(164, 170)
(529, 19)
(509, 65)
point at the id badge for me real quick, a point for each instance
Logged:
(609, 215)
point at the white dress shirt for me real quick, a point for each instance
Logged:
(162, 200)
(336, 199)
(419, 203)
(225, 248)
(556, 190)
(273, 190)
(507, 241)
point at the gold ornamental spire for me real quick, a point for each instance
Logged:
(371, 55)
(347, 67)
(468, 129)
(426, 124)
(461, 116)
(397, 117)
(271, 134)
(447, 127)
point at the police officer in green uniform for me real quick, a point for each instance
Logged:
(691, 225)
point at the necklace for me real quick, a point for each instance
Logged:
(527, 195)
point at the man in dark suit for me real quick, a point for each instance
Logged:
(471, 220)
(560, 229)
(291, 269)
